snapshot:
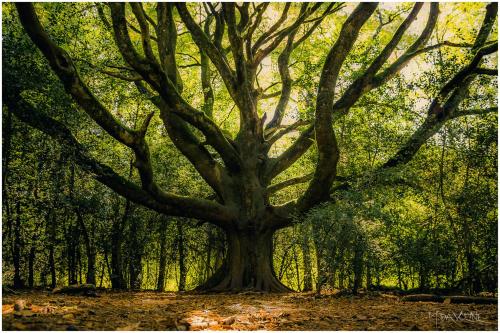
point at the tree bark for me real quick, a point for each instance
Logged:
(181, 257)
(31, 262)
(358, 265)
(72, 238)
(249, 263)
(306, 257)
(160, 286)
(17, 248)
(368, 274)
(135, 259)
(91, 271)
(117, 281)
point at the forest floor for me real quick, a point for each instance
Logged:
(39, 310)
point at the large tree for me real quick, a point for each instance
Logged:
(240, 169)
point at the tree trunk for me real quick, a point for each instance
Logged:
(31, 263)
(210, 245)
(52, 264)
(72, 242)
(182, 257)
(91, 278)
(135, 258)
(160, 286)
(306, 256)
(249, 263)
(116, 277)
(358, 265)
(16, 255)
(117, 281)
(368, 274)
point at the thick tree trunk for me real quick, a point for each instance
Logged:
(249, 264)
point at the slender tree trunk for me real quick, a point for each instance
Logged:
(321, 278)
(368, 275)
(79, 263)
(7, 137)
(398, 269)
(181, 257)
(358, 270)
(53, 281)
(297, 270)
(160, 286)
(103, 269)
(116, 277)
(135, 260)
(210, 246)
(72, 237)
(108, 266)
(358, 264)
(341, 277)
(43, 277)
(31, 263)
(306, 256)
(117, 281)
(17, 249)
(90, 252)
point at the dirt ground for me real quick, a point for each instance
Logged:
(38, 310)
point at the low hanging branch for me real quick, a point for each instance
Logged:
(168, 203)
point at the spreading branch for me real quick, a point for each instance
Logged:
(328, 152)
(166, 203)
(289, 182)
(445, 105)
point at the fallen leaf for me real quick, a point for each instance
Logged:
(361, 317)
(19, 305)
(199, 325)
(19, 326)
(68, 316)
(24, 313)
(7, 308)
(228, 321)
(181, 325)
